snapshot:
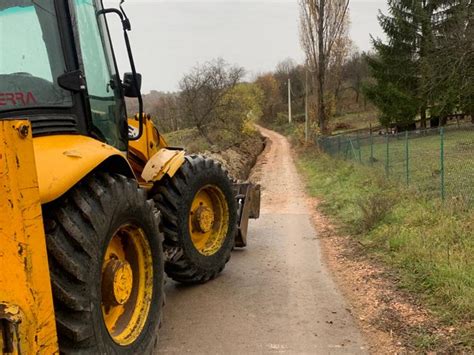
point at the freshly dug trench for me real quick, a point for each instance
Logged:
(240, 158)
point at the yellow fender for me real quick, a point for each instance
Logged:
(165, 162)
(64, 160)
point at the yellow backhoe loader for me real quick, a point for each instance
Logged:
(95, 207)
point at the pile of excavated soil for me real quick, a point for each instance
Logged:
(240, 158)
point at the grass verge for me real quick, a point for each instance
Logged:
(429, 245)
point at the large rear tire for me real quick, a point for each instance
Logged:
(106, 265)
(199, 220)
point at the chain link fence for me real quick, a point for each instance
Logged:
(436, 162)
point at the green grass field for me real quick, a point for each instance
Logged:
(423, 173)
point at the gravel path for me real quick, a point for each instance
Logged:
(276, 296)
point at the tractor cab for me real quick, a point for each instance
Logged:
(58, 69)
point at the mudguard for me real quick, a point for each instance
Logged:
(64, 160)
(165, 162)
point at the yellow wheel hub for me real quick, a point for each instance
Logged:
(209, 220)
(127, 284)
(203, 219)
(118, 278)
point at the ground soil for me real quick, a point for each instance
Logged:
(362, 282)
(240, 158)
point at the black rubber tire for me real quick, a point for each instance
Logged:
(78, 229)
(173, 197)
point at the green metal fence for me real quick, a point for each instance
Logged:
(436, 162)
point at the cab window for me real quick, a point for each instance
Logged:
(108, 114)
(31, 56)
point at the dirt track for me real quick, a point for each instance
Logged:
(274, 296)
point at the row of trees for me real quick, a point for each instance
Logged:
(426, 67)
(343, 89)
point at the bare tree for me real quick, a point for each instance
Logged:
(286, 66)
(272, 100)
(356, 73)
(203, 91)
(166, 112)
(335, 76)
(289, 69)
(323, 26)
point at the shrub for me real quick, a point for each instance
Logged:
(373, 210)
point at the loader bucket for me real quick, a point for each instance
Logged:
(248, 207)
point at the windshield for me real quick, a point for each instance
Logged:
(31, 57)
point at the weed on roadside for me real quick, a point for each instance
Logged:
(373, 209)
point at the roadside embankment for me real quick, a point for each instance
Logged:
(237, 157)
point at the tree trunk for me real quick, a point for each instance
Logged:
(321, 68)
(175, 122)
(203, 133)
(423, 117)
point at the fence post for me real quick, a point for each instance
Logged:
(353, 149)
(407, 158)
(371, 148)
(358, 146)
(443, 195)
(387, 156)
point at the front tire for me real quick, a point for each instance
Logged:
(106, 265)
(199, 220)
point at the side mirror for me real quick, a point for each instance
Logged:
(129, 87)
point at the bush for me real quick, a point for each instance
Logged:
(373, 210)
(339, 126)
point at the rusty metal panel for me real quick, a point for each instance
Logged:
(26, 306)
(254, 201)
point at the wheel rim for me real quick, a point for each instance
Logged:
(127, 284)
(209, 220)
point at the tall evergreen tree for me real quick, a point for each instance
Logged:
(452, 58)
(402, 67)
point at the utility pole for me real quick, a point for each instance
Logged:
(306, 119)
(289, 100)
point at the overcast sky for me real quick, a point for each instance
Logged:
(170, 37)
